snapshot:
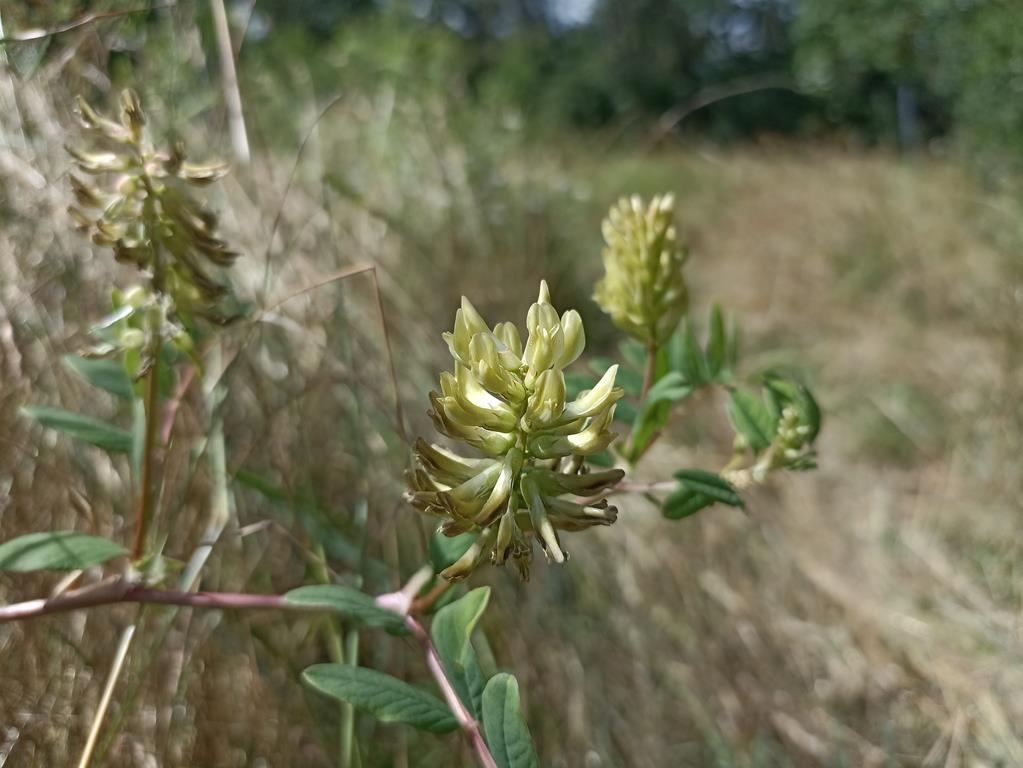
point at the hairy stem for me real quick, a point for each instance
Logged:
(465, 719)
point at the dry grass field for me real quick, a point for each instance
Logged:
(866, 614)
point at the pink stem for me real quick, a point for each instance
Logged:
(121, 591)
(174, 405)
(465, 719)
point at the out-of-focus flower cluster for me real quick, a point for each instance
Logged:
(643, 289)
(798, 422)
(508, 400)
(138, 203)
(138, 319)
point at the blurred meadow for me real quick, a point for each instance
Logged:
(846, 177)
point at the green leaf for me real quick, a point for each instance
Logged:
(734, 346)
(93, 431)
(654, 412)
(802, 464)
(576, 383)
(698, 489)
(676, 351)
(716, 342)
(780, 392)
(262, 485)
(634, 353)
(752, 419)
(811, 412)
(389, 699)
(670, 388)
(694, 365)
(709, 484)
(683, 503)
(56, 551)
(602, 459)
(628, 378)
(445, 550)
(505, 727)
(625, 413)
(453, 626)
(108, 375)
(349, 602)
(451, 631)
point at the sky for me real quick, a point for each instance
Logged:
(572, 12)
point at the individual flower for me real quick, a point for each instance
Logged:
(508, 400)
(643, 289)
(139, 205)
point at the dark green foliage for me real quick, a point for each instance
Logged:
(506, 731)
(752, 419)
(698, 489)
(389, 699)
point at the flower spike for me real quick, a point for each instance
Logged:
(508, 400)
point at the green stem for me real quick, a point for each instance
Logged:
(632, 456)
(147, 480)
(348, 743)
(336, 649)
(650, 372)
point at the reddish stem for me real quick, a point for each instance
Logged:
(465, 719)
(121, 591)
(170, 411)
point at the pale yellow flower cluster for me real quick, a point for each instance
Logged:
(643, 289)
(507, 399)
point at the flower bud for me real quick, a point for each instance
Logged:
(132, 338)
(575, 338)
(643, 289)
(136, 297)
(183, 341)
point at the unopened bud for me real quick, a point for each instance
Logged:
(643, 289)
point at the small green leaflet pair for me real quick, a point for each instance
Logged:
(109, 376)
(698, 489)
(71, 550)
(494, 703)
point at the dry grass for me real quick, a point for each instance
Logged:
(864, 614)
